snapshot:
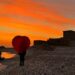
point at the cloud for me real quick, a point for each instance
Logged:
(38, 11)
(38, 19)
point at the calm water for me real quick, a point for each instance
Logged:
(7, 55)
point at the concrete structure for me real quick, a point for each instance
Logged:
(39, 42)
(70, 35)
(58, 42)
(68, 39)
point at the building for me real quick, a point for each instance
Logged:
(58, 42)
(39, 42)
(70, 35)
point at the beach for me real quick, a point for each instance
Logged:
(61, 61)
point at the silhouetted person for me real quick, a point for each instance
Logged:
(1, 58)
(0, 54)
(21, 44)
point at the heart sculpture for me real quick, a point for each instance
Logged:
(21, 43)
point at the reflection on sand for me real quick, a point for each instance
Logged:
(7, 55)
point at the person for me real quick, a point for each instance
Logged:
(1, 58)
(21, 44)
(0, 54)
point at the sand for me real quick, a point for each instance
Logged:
(2, 67)
(42, 62)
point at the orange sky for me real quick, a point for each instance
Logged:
(34, 18)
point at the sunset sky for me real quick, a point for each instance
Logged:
(37, 19)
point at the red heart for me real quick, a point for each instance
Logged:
(21, 43)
